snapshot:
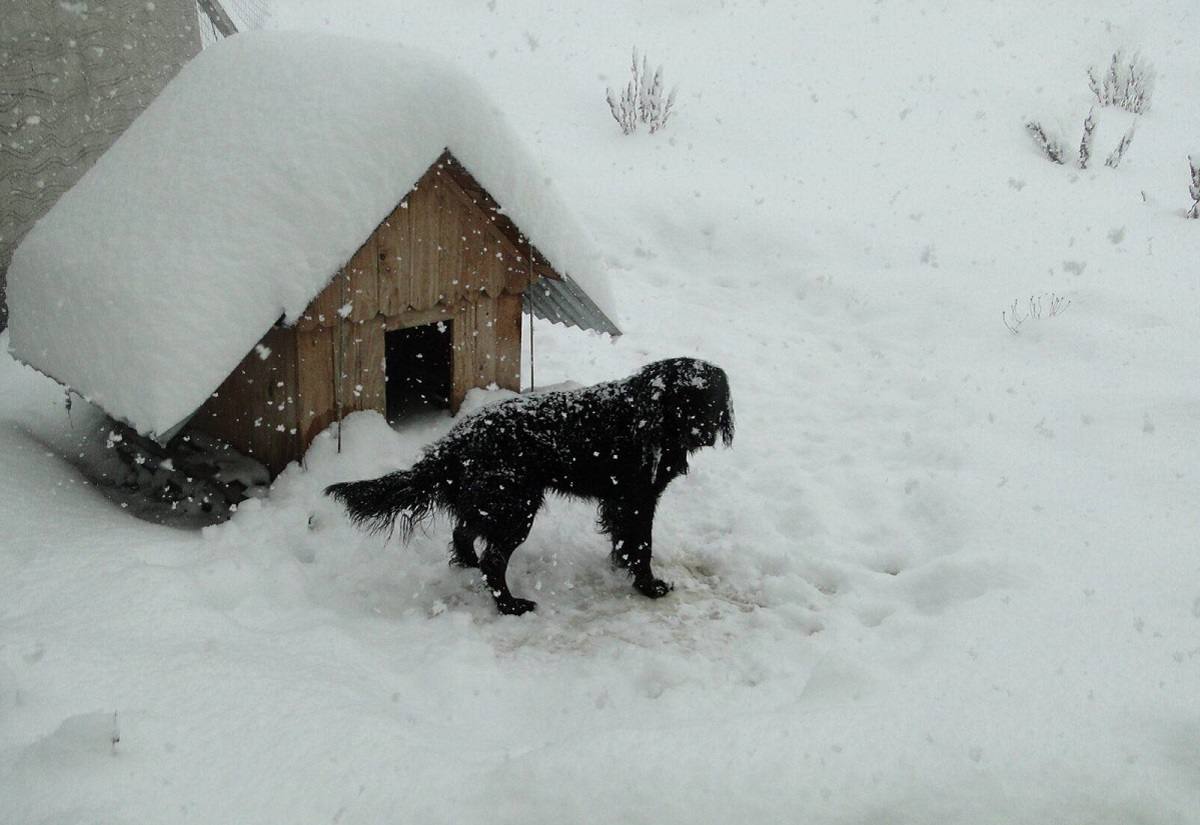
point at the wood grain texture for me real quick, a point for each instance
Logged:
(508, 342)
(440, 255)
(362, 271)
(256, 408)
(316, 373)
(393, 247)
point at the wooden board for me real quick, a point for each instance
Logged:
(452, 217)
(322, 312)
(354, 288)
(393, 243)
(423, 278)
(316, 367)
(472, 230)
(517, 277)
(416, 319)
(463, 356)
(362, 292)
(484, 360)
(362, 385)
(340, 370)
(255, 408)
(508, 342)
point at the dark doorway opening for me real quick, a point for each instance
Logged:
(419, 365)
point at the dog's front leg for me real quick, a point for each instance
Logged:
(631, 525)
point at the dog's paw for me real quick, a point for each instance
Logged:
(653, 588)
(512, 606)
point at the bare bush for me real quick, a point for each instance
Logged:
(1114, 158)
(1085, 143)
(624, 109)
(1045, 305)
(642, 100)
(1050, 146)
(1053, 149)
(1194, 188)
(1128, 83)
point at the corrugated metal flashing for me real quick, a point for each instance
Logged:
(563, 302)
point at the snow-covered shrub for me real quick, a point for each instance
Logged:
(1194, 188)
(1045, 305)
(1128, 84)
(1085, 143)
(642, 99)
(1114, 157)
(1051, 147)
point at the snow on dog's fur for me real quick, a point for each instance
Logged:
(620, 443)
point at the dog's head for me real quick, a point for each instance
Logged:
(695, 399)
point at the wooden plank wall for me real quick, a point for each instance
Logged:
(255, 409)
(356, 352)
(487, 346)
(437, 248)
(438, 256)
(508, 342)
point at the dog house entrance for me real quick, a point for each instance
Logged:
(419, 364)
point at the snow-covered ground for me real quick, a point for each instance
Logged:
(947, 574)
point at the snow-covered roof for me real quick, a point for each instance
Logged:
(233, 199)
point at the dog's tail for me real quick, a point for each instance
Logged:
(405, 496)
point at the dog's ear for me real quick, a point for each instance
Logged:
(725, 422)
(720, 398)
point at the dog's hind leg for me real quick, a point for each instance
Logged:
(494, 564)
(493, 508)
(462, 549)
(630, 523)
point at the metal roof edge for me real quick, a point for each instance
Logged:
(564, 302)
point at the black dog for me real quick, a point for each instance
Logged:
(620, 442)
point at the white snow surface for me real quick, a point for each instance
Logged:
(236, 195)
(945, 575)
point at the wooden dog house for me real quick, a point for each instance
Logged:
(427, 308)
(307, 248)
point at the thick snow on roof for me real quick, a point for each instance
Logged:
(234, 198)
